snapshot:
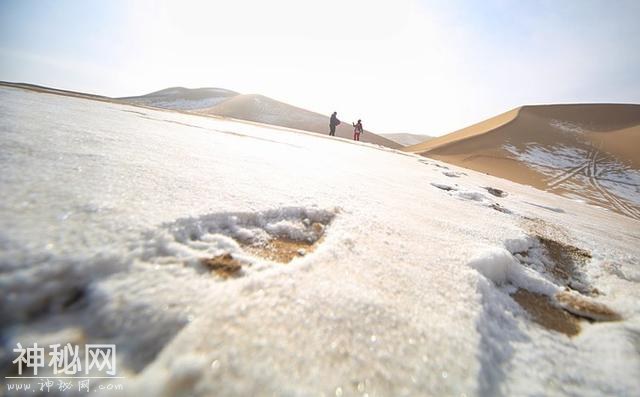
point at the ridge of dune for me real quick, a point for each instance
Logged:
(476, 129)
(262, 109)
(587, 152)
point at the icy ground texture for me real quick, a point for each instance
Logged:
(593, 174)
(105, 210)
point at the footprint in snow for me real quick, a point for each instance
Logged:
(473, 196)
(500, 208)
(496, 192)
(453, 174)
(228, 245)
(444, 186)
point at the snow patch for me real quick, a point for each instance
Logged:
(494, 263)
(567, 126)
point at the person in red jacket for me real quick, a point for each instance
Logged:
(357, 130)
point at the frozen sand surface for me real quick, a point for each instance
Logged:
(106, 211)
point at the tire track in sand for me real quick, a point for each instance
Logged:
(591, 172)
(569, 173)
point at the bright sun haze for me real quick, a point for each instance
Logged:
(425, 67)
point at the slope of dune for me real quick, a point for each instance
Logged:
(266, 110)
(407, 139)
(180, 98)
(587, 151)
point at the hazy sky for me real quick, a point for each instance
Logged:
(421, 66)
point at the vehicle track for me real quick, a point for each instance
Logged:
(589, 169)
(591, 172)
(571, 172)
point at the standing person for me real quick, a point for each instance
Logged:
(333, 122)
(357, 130)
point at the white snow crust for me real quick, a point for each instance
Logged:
(111, 207)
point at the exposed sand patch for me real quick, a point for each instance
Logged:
(538, 227)
(224, 265)
(585, 307)
(564, 311)
(563, 261)
(544, 312)
(567, 259)
(281, 250)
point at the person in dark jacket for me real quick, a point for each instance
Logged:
(357, 130)
(333, 123)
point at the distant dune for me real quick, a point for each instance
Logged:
(587, 152)
(407, 139)
(266, 110)
(180, 98)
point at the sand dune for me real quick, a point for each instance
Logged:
(250, 107)
(180, 98)
(266, 110)
(587, 152)
(407, 139)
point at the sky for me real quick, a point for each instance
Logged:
(419, 66)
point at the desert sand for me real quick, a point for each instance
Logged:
(587, 152)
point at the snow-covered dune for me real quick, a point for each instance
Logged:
(227, 258)
(180, 98)
(587, 152)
